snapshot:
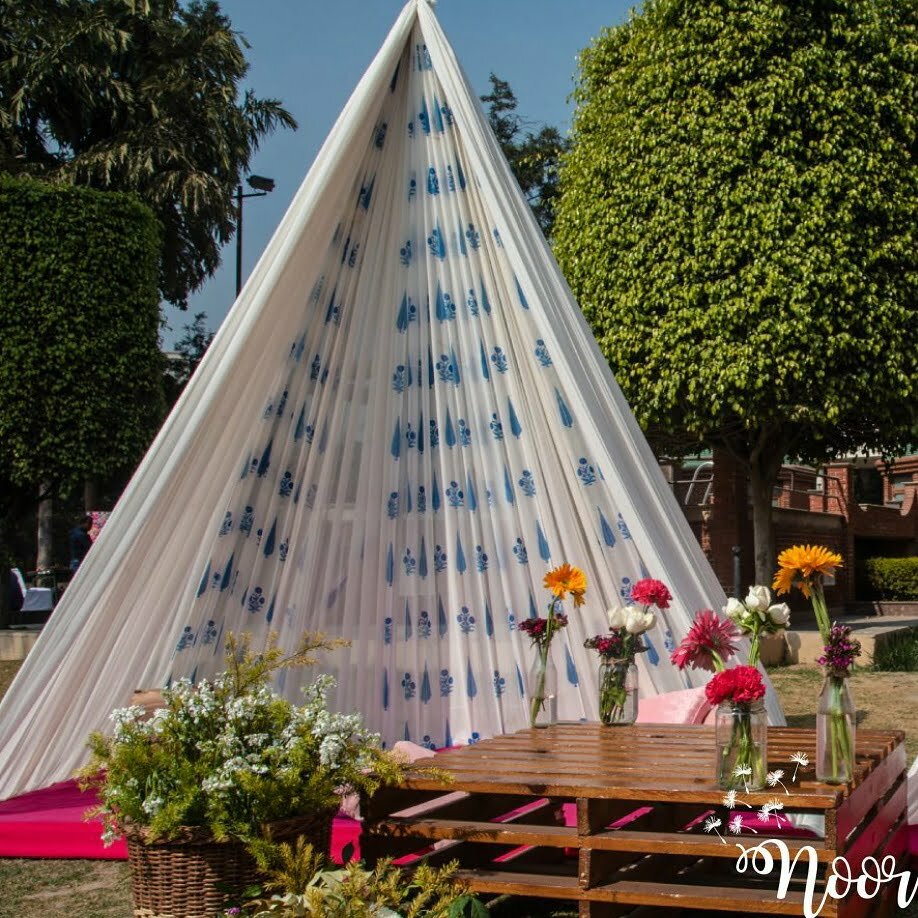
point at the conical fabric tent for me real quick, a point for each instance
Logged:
(403, 423)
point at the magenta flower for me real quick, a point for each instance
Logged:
(707, 644)
(649, 592)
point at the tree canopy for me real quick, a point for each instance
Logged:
(533, 157)
(738, 220)
(142, 96)
(80, 368)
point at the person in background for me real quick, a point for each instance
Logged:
(80, 543)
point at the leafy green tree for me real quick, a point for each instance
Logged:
(533, 157)
(141, 96)
(189, 352)
(738, 220)
(80, 368)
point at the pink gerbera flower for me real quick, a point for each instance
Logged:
(649, 592)
(707, 644)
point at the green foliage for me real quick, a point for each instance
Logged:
(534, 158)
(738, 221)
(303, 885)
(80, 381)
(893, 578)
(897, 654)
(230, 755)
(136, 96)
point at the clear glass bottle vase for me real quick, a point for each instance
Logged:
(835, 731)
(741, 738)
(618, 692)
(542, 691)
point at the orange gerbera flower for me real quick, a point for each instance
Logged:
(566, 579)
(801, 564)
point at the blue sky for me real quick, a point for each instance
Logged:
(311, 54)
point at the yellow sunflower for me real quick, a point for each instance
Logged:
(801, 564)
(566, 579)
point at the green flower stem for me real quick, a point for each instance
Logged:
(612, 691)
(742, 751)
(839, 739)
(537, 703)
(820, 609)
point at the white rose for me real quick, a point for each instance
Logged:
(759, 599)
(734, 609)
(637, 622)
(780, 614)
(616, 617)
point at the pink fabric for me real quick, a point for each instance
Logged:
(50, 823)
(685, 706)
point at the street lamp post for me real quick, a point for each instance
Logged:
(262, 186)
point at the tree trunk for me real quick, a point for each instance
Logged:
(90, 495)
(45, 556)
(763, 528)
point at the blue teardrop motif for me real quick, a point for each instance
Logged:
(533, 611)
(390, 566)
(471, 501)
(460, 176)
(227, 574)
(653, 658)
(608, 536)
(401, 322)
(519, 682)
(421, 434)
(269, 617)
(448, 739)
(323, 439)
(457, 379)
(441, 618)
(449, 434)
(422, 560)
(269, 542)
(430, 369)
(571, 669)
(566, 418)
(460, 556)
(265, 460)
(461, 236)
(408, 629)
(385, 689)
(544, 551)
(471, 687)
(300, 424)
(485, 302)
(425, 686)
(397, 439)
(485, 372)
(407, 497)
(489, 620)
(514, 421)
(435, 494)
(202, 587)
(508, 485)
(407, 733)
(438, 117)
(520, 294)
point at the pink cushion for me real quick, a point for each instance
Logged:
(685, 706)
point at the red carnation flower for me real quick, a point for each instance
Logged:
(650, 592)
(707, 641)
(740, 685)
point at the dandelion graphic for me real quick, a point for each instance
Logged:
(800, 760)
(730, 799)
(774, 777)
(736, 825)
(744, 772)
(771, 809)
(711, 825)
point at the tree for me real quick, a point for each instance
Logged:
(738, 220)
(80, 368)
(533, 158)
(136, 96)
(189, 352)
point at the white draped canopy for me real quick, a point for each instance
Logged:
(403, 423)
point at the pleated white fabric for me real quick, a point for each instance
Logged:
(403, 423)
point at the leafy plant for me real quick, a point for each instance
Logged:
(230, 755)
(303, 885)
(893, 578)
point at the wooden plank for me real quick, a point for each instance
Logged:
(888, 816)
(852, 812)
(520, 884)
(507, 833)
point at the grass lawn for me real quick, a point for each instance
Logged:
(101, 889)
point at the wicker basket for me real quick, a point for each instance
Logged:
(193, 876)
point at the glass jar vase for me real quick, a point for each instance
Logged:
(741, 738)
(542, 691)
(618, 692)
(835, 731)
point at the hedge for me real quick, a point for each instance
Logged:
(80, 367)
(893, 579)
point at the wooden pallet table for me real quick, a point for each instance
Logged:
(640, 795)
